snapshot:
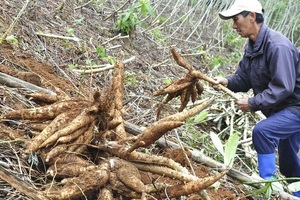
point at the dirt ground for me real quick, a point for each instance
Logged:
(25, 67)
(44, 62)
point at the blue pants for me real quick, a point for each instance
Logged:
(280, 130)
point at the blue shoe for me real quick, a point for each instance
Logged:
(296, 194)
(267, 166)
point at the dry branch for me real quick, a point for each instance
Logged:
(100, 68)
(76, 39)
(20, 185)
(18, 83)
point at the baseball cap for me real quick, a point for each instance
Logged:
(239, 6)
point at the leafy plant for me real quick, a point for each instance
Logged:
(72, 66)
(294, 187)
(167, 81)
(265, 191)
(232, 40)
(126, 22)
(130, 79)
(157, 35)
(229, 150)
(146, 8)
(12, 39)
(70, 31)
(218, 61)
(110, 60)
(101, 51)
(193, 136)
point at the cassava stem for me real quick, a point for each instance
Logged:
(181, 62)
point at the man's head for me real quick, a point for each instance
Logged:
(247, 15)
(239, 6)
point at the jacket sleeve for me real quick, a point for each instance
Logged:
(283, 79)
(240, 81)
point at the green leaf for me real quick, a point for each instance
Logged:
(294, 187)
(126, 16)
(12, 39)
(167, 81)
(101, 51)
(217, 142)
(70, 31)
(150, 9)
(72, 66)
(144, 11)
(266, 191)
(201, 116)
(230, 149)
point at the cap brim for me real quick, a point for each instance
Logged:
(228, 14)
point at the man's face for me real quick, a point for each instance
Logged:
(243, 25)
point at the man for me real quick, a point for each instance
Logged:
(271, 67)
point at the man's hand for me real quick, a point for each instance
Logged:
(219, 80)
(243, 104)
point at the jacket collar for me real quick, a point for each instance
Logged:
(255, 48)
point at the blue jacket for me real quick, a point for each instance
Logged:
(271, 67)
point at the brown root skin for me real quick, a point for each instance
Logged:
(139, 157)
(90, 180)
(118, 186)
(56, 151)
(173, 88)
(80, 121)
(179, 60)
(87, 138)
(73, 136)
(105, 194)
(120, 129)
(42, 97)
(38, 126)
(45, 112)
(12, 133)
(165, 171)
(199, 88)
(69, 170)
(186, 88)
(189, 113)
(194, 93)
(186, 98)
(59, 122)
(118, 84)
(192, 186)
(153, 133)
(128, 174)
(67, 158)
